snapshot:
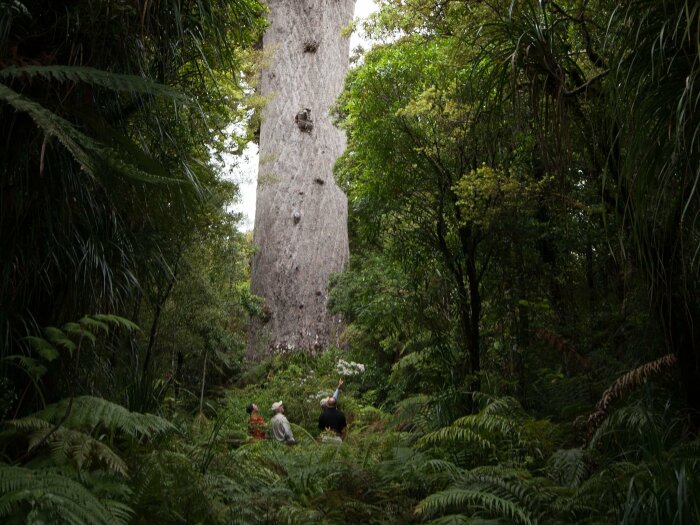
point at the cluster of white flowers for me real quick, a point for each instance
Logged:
(349, 368)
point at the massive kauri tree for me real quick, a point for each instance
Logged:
(301, 218)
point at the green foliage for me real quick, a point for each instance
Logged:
(461, 498)
(111, 161)
(92, 412)
(29, 496)
(522, 180)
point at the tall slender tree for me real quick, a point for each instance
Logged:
(301, 215)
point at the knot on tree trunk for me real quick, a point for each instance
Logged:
(310, 46)
(304, 121)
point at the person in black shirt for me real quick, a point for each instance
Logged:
(332, 419)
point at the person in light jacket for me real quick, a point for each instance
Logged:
(279, 425)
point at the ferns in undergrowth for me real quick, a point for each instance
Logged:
(493, 492)
(94, 412)
(74, 472)
(568, 467)
(500, 431)
(169, 488)
(77, 448)
(316, 483)
(54, 496)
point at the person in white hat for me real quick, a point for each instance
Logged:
(279, 425)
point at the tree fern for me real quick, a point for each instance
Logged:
(169, 487)
(415, 471)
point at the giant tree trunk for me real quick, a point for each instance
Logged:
(301, 215)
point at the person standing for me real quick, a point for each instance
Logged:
(279, 425)
(256, 423)
(332, 419)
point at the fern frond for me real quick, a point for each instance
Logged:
(456, 434)
(413, 412)
(512, 484)
(59, 338)
(55, 126)
(477, 429)
(605, 489)
(442, 466)
(84, 451)
(461, 519)
(77, 330)
(29, 423)
(627, 382)
(64, 499)
(97, 77)
(91, 412)
(505, 406)
(31, 366)
(87, 152)
(467, 500)
(568, 467)
(118, 321)
(95, 325)
(489, 421)
(411, 469)
(630, 421)
(45, 349)
(564, 347)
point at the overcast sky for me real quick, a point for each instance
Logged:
(246, 172)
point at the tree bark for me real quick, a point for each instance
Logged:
(301, 214)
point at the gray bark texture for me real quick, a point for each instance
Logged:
(300, 229)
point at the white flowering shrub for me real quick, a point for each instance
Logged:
(349, 368)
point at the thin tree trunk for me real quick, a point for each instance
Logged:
(204, 381)
(301, 215)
